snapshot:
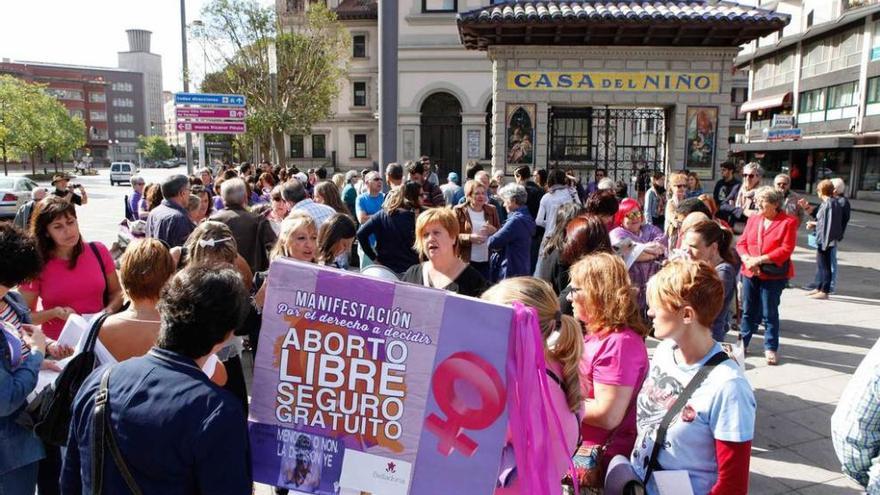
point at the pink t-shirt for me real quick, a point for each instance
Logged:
(81, 288)
(619, 358)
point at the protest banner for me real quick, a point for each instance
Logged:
(366, 385)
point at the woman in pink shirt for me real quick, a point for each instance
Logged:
(562, 350)
(615, 359)
(73, 280)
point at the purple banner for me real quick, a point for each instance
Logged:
(364, 385)
(210, 113)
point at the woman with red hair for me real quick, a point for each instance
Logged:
(639, 243)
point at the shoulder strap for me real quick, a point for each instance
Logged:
(92, 337)
(103, 273)
(680, 402)
(102, 435)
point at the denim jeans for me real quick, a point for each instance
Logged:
(823, 269)
(20, 481)
(761, 303)
(815, 283)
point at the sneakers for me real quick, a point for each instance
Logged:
(772, 358)
(818, 295)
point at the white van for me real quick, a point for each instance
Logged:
(121, 172)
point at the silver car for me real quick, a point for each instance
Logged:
(14, 192)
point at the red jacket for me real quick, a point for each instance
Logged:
(777, 242)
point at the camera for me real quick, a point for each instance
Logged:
(74, 186)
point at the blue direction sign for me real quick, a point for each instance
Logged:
(209, 99)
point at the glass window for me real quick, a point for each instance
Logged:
(77, 114)
(319, 147)
(359, 46)
(874, 90)
(570, 131)
(296, 146)
(842, 95)
(65, 94)
(94, 115)
(439, 5)
(812, 101)
(360, 145)
(360, 94)
(97, 97)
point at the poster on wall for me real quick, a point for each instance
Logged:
(473, 143)
(521, 133)
(701, 138)
(364, 385)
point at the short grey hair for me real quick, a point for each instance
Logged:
(768, 194)
(193, 203)
(606, 184)
(136, 180)
(205, 170)
(514, 192)
(293, 191)
(839, 185)
(754, 167)
(39, 191)
(173, 184)
(350, 175)
(233, 192)
(783, 176)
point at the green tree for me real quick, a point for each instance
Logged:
(311, 60)
(155, 148)
(62, 135)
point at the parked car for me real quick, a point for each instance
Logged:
(14, 192)
(121, 172)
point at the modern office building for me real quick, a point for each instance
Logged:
(139, 59)
(445, 95)
(110, 102)
(814, 95)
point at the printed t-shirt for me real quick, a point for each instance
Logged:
(81, 288)
(620, 359)
(722, 408)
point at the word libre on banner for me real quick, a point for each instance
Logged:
(364, 385)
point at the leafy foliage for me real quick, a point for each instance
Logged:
(155, 148)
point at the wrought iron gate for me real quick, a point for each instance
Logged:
(623, 141)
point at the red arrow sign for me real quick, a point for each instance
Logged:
(210, 113)
(212, 127)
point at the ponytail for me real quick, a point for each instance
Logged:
(567, 352)
(713, 233)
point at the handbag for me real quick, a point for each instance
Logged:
(812, 240)
(49, 414)
(692, 386)
(102, 436)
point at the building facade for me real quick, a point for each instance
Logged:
(110, 102)
(139, 59)
(814, 95)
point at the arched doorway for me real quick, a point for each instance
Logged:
(441, 132)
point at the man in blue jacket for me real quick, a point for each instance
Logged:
(177, 432)
(514, 239)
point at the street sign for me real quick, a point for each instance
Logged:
(210, 113)
(209, 99)
(212, 127)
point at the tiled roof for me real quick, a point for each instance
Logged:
(477, 26)
(634, 10)
(357, 9)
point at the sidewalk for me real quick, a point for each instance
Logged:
(822, 343)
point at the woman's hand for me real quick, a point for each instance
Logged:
(58, 351)
(811, 225)
(487, 230)
(36, 340)
(752, 263)
(62, 312)
(260, 297)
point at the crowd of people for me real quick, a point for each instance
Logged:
(601, 270)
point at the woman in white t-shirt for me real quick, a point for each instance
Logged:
(708, 442)
(477, 220)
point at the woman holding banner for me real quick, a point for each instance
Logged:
(563, 347)
(437, 240)
(614, 364)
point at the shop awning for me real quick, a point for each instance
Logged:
(766, 102)
(803, 144)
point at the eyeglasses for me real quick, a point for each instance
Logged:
(634, 214)
(749, 175)
(677, 186)
(782, 184)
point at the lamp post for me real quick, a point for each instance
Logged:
(273, 81)
(189, 164)
(200, 26)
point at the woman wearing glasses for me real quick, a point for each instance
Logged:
(640, 244)
(746, 204)
(678, 188)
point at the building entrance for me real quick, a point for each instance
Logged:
(623, 141)
(441, 132)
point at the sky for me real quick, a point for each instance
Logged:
(91, 32)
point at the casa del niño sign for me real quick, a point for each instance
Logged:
(657, 81)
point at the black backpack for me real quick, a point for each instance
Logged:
(49, 414)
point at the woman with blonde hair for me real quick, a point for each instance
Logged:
(563, 349)
(298, 238)
(477, 221)
(326, 193)
(694, 188)
(615, 360)
(678, 189)
(437, 242)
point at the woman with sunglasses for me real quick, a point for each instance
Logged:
(640, 244)
(678, 188)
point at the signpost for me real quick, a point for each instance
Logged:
(207, 113)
